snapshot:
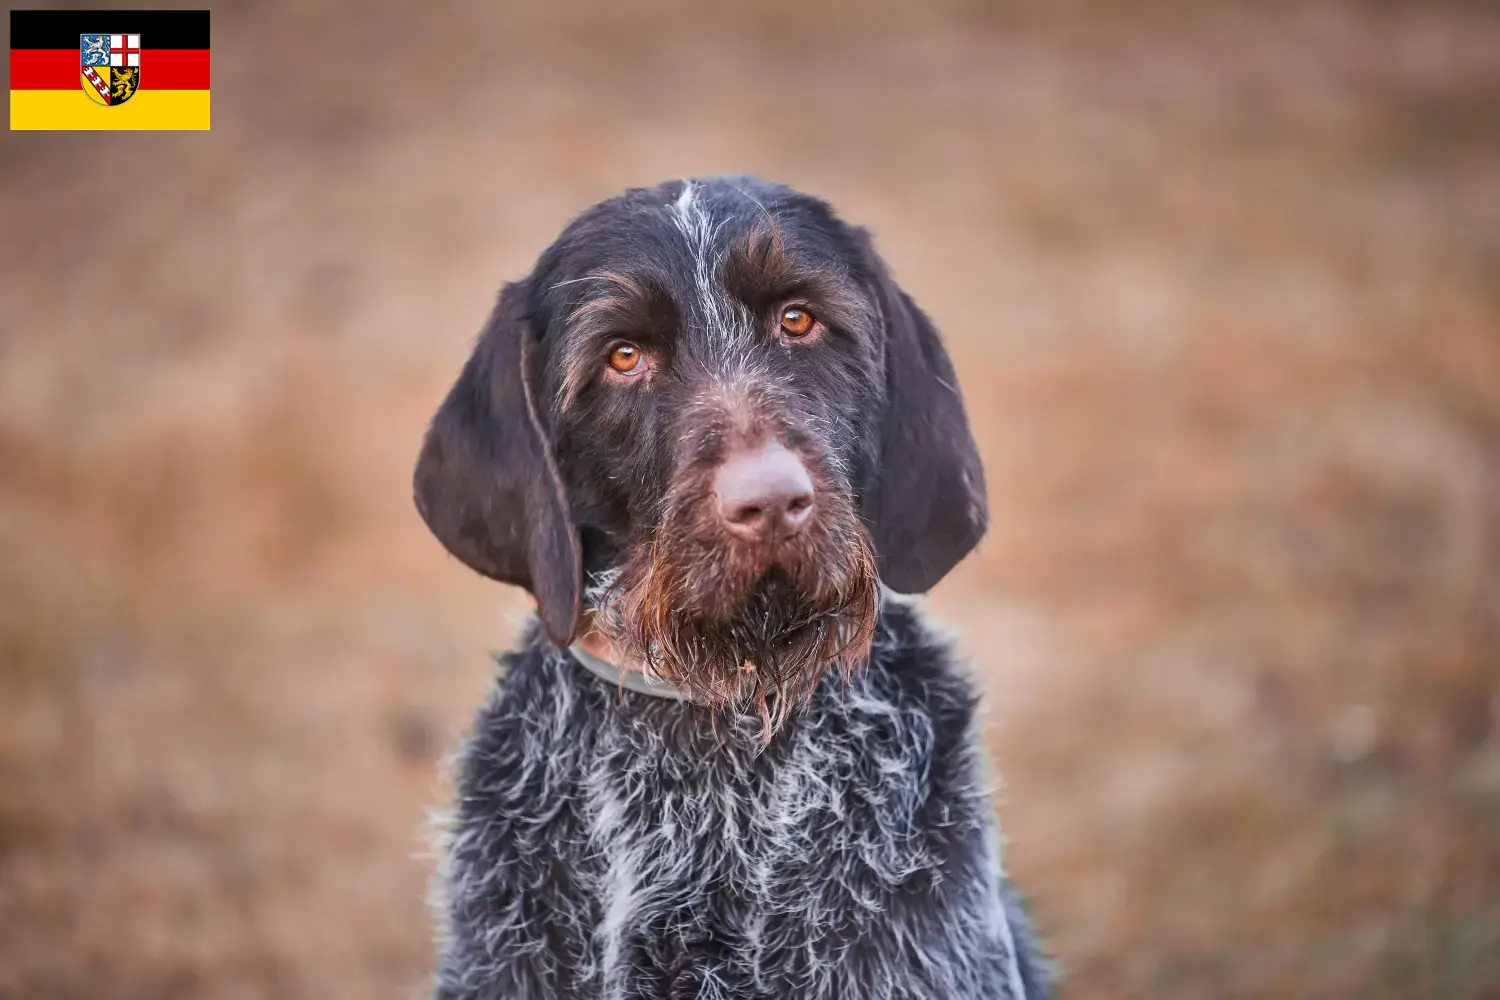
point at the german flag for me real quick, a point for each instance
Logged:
(108, 69)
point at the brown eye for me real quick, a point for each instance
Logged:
(796, 322)
(625, 359)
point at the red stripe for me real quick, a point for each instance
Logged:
(43, 69)
(174, 69)
(59, 69)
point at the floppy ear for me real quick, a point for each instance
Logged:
(927, 508)
(486, 483)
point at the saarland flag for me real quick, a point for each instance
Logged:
(108, 69)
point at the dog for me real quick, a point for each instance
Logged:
(716, 441)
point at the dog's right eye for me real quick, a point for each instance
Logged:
(626, 359)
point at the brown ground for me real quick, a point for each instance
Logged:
(1224, 293)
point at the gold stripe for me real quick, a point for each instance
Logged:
(73, 109)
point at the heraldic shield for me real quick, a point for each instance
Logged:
(110, 66)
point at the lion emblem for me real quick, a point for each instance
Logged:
(96, 50)
(123, 84)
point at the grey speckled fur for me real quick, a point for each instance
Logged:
(609, 844)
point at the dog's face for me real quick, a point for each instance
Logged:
(709, 411)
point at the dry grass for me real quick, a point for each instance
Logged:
(1222, 290)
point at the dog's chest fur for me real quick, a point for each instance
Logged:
(615, 845)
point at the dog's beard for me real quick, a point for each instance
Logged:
(732, 627)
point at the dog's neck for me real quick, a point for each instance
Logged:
(598, 655)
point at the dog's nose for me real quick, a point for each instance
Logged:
(764, 493)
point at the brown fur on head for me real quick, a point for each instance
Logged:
(729, 621)
(649, 347)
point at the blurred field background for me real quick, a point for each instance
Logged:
(1222, 283)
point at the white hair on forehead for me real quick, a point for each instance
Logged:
(728, 321)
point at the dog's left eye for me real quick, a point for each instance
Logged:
(796, 321)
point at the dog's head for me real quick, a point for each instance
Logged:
(710, 401)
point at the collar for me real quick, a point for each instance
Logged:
(618, 677)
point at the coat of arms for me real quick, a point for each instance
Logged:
(111, 67)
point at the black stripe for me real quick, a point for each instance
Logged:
(59, 29)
